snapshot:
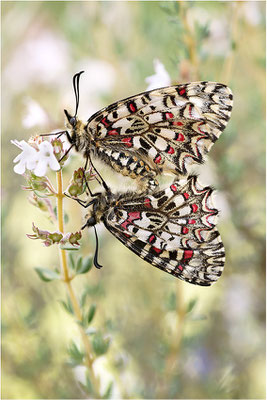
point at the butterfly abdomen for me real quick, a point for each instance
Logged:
(128, 165)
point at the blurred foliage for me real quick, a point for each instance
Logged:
(165, 338)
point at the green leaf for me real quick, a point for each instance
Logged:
(79, 262)
(108, 391)
(100, 345)
(76, 356)
(83, 299)
(66, 218)
(67, 305)
(71, 261)
(88, 384)
(191, 305)
(84, 266)
(91, 313)
(47, 275)
(171, 301)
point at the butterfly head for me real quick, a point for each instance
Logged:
(99, 207)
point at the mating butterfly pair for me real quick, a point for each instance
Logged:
(157, 132)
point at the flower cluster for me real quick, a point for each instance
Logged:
(49, 238)
(36, 157)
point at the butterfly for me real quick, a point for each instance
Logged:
(173, 229)
(156, 132)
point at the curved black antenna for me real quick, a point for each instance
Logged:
(97, 265)
(76, 80)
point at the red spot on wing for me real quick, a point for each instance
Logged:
(126, 234)
(182, 91)
(185, 230)
(157, 250)
(132, 107)
(133, 215)
(147, 202)
(127, 141)
(171, 150)
(113, 132)
(177, 123)
(157, 160)
(152, 238)
(188, 254)
(191, 221)
(104, 121)
(174, 188)
(169, 115)
(180, 137)
(186, 195)
(194, 207)
(125, 224)
(180, 267)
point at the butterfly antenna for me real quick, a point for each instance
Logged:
(76, 80)
(102, 180)
(97, 265)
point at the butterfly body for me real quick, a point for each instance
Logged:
(156, 132)
(173, 228)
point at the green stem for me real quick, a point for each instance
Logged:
(67, 280)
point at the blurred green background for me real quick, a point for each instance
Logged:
(169, 339)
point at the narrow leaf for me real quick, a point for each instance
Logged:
(108, 391)
(76, 356)
(67, 305)
(47, 275)
(100, 345)
(71, 261)
(191, 305)
(91, 313)
(84, 265)
(79, 264)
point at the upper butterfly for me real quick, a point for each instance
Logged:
(159, 131)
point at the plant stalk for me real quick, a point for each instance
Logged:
(67, 280)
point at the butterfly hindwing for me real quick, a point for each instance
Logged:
(173, 229)
(163, 130)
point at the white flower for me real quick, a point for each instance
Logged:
(26, 159)
(33, 160)
(46, 158)
(160, 79)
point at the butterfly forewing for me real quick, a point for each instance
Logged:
(164, 130)
(173, 229)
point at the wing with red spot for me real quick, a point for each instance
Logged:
(173, 229)
(168, 128)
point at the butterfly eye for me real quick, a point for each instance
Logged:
(73, 121)
(91, 221)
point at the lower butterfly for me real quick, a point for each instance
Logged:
(172, 229)
(156, 132)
